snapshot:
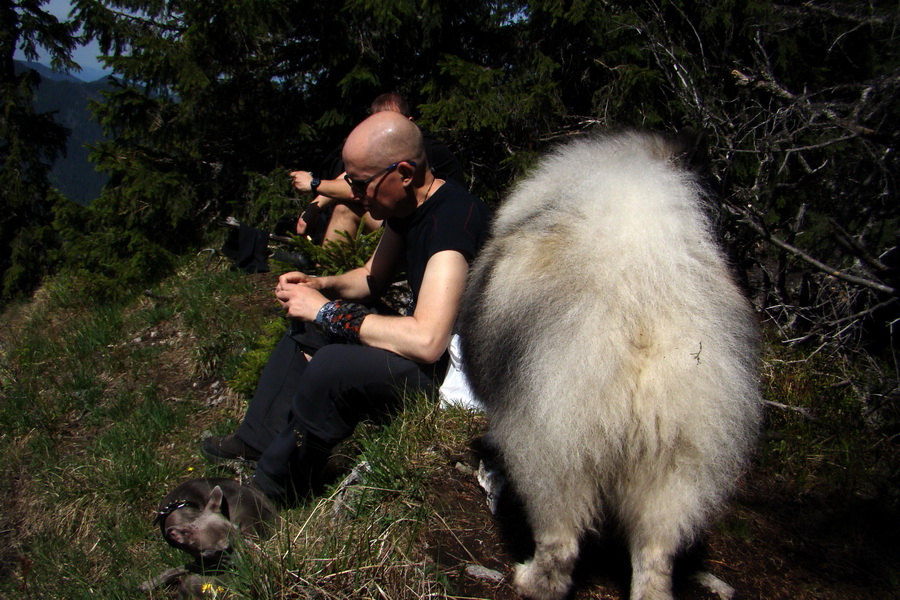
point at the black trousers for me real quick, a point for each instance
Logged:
(323, 399)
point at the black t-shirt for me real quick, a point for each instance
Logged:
(451, 219)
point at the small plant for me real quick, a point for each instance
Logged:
(247, 373)
(268, 197)
(334, 258)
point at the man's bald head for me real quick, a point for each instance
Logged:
(382, 139)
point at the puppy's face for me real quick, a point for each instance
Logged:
(206, 537)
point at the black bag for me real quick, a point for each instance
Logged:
(248, 247)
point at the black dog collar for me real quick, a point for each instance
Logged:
(163, 514)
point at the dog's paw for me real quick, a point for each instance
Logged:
(540, 582)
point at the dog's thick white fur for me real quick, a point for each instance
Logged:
(615, 355)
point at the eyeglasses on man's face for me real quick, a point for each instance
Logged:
(361, 186)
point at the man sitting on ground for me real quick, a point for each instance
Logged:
(342, 363)
(334, 209)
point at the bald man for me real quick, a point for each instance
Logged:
(334, 211)
(341, 362)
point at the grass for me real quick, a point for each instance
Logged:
(371, 546)
(827, 447)
(103, 409)
(102, 412)
(95, 426)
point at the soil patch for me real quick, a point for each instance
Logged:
(763, 547)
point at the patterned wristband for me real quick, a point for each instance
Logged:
(342, 319)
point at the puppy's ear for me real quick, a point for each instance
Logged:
(214, 504)
(181, 534)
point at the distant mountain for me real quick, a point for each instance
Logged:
(67, 96)
(86, 75)
(45, 72)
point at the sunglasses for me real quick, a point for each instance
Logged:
(361, 186)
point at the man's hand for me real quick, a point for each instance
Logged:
(302, 180)
(296, 277)
(306, 224)
(299, 295)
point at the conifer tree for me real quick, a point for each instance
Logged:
(211, 97)
(29, 142)
(207, 95)
(198, 102)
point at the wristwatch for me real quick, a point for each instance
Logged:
(314, 184)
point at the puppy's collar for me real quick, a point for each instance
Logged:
(163, 513)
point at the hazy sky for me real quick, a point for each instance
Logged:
(86, 56)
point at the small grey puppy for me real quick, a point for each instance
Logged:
(202, 516)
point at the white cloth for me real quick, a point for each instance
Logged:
(455, 390)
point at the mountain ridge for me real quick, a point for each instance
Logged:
(67, 97)
(46, 72)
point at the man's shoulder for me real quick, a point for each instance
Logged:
(450, 203)
(458, 189)
(454, 193)
(462, 210)
(442, 160)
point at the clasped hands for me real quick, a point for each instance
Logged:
(299, 295)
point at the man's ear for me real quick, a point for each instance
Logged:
(407, 172)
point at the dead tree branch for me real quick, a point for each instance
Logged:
(829, 270)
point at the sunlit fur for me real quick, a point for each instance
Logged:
(615, 355)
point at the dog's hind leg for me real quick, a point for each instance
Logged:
(651, 577)
(548, 575)
(658, 519)
(558, 512)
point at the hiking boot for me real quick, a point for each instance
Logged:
(271, 490)
(228, 447)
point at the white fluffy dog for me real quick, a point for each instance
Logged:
(615, 355)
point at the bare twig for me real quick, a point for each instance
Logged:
(803, 412)
(839, 274)
(863, 313)
(844, 237)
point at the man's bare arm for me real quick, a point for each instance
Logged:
(337, 189)
(423, 336)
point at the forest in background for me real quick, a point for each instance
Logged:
(212, 103)
(67, 98)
